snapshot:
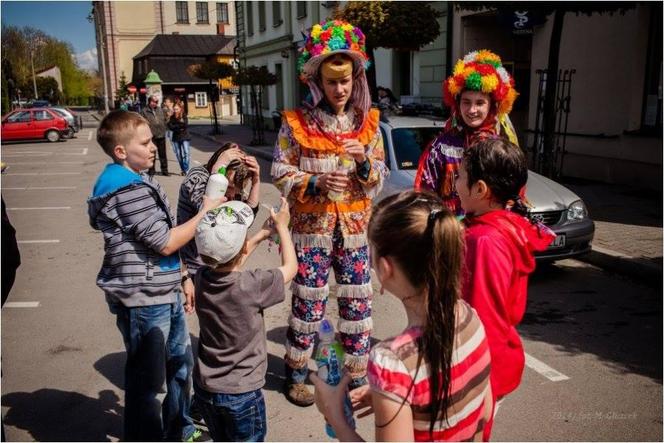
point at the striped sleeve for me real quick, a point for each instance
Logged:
(388, 375)
(136, 211)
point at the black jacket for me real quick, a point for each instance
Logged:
(179, 128)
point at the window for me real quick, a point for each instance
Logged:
(261, 16)
(278, 70)
(250, 18)
(20, 117)
(409, 143)
(181, 12)
(202, 12)
(222, 12)
(651, 120)
(276, 14)
(43, 115)
(201, 100)
(301, 9)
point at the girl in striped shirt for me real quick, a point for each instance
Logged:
(431, 382)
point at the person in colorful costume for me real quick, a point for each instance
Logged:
(480, 93)
(330, 209)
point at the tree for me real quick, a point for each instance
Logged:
(257, 79)
(48, 89)
(212, 70)
(123, 88)
(402, 26)
(558, 10)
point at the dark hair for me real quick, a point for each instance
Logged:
(426, 240)
(117, 128)
(241, 171)
(502, 166)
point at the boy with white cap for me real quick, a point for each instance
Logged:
(232, 357)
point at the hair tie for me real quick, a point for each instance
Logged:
(434, 214)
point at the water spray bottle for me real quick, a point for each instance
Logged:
(217, 184)
(329, 360)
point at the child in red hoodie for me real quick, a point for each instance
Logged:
(500, 242)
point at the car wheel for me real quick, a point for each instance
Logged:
(52, 136)
(70, 133)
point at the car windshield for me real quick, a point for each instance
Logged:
(409, 143)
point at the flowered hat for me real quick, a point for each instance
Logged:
(326, 39)
(481, 71)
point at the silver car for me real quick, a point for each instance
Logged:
(71, 120)
(556, 206)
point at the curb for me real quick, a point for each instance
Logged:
(251, 149)
(636, 268)
(95, 116)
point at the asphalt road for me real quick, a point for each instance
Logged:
(594, 340)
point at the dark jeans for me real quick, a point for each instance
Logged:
(233, 417)
(160, 143)
(158, 354)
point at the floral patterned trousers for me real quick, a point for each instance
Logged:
(310, 296)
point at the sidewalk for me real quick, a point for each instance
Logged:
(628, 222)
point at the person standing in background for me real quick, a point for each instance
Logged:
(157, 122)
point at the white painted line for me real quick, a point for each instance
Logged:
(43, 173)
(45, 207)
(37, 241)
(84, 151)
(90, 135)
(21, 304)
(26, 154)
(544, 369)
(611, 252)
(39, 188)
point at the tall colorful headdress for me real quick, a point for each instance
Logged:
(335, 37)
(481, 71)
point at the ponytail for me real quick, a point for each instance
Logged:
(421, 218)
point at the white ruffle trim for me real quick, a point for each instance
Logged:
(355, 241)
(303, 327)
(297, 356)
(318, 165)
(355, 291)
(307, 293)
(355, 327)
(312, 241)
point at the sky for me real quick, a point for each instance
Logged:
(64, 20)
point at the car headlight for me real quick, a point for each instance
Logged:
(577, 211)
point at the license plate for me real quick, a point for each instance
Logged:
(558, 242)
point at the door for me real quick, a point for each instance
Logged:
(17, 126)
(43, 120)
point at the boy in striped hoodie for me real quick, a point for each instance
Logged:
(143, 282)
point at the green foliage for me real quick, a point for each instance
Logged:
(47, 89)
(254, 75)
(17, 46)
(211, 70)
(404, 26)
(123, 90)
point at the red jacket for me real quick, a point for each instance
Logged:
(499, 257)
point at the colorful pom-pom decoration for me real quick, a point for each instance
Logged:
(329, 37)
(481, 71)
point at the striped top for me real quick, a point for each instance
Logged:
(393, 369)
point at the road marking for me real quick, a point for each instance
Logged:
(90, 135)
(38, 188)
(21, 304)
(43, 173)
(544, 369)
(45, 207)
(45, 163)
(84, 151)
(26, 154)
(37, 241)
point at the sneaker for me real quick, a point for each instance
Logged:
(299, 394)
(199, 435)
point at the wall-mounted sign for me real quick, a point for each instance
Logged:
(521, 21)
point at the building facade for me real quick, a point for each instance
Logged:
(124, 28)
(614, 124)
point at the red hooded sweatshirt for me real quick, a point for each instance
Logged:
(499, 257)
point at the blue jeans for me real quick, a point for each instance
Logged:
(233, 417)
(158, 353)
(182, 153)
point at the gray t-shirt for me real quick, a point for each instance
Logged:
(232, 355)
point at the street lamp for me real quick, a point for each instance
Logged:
(33, 45)
(92, 17)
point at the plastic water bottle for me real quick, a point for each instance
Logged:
(274, 238)
(217, 184)
(329, 360)
(344, 164)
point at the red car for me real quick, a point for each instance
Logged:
(33, 123)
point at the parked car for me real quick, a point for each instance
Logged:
(34, 123)
(39, 103)
(71, 118)
(553, 204)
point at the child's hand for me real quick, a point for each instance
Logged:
(360, 398)
(330, 399)
(281, 218)
(253, 167)
(211, 203)
(234, 153)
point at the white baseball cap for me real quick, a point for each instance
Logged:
(222, 232)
